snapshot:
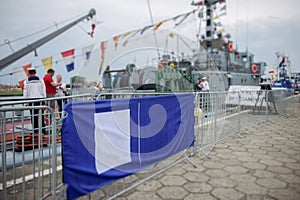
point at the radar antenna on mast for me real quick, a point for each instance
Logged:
(209, 20)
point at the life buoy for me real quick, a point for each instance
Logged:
(254, 68)
(230, 47)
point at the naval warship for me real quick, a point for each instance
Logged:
(216, 59)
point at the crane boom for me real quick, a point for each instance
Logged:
(32, 47)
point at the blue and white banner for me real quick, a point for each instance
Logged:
(106, 140)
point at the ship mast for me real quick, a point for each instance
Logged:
(32, 47)
(209, 23)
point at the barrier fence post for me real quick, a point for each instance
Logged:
(284, 99)
(39, 150)
(213, 113)
(239, 113)
(293, 106)
(201, 128)
(4, 181)
(54, 156)
(289, 102)
(267, 104)
(23, 160)
(196, 123)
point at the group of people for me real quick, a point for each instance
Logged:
(36, 88)
(202, 85)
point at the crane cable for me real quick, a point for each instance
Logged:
(9, 42)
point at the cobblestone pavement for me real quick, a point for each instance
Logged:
(261, 164)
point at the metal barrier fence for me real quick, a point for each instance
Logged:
(214, 119)
(217, 115)
(30, 138)
(289, 103)
(262, 106)
(19, 165)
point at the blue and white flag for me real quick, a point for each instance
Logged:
(86, 52)
(106, 140)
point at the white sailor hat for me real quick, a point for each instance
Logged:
(31, 69)
(204, 78)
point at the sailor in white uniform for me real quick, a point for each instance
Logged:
(34, 88)
(205, 85)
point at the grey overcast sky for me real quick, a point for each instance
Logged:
(272, 25)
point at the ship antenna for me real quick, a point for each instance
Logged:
(247, 25)
(152, 22)
(237, 25)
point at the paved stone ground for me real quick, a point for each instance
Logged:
(261, 164)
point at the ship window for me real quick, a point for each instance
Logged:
(208, 33)
(250, 59)
(208, 12)
(244, 59)
(208, 22)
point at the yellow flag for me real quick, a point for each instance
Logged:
(216, 17)
(128, 33)
(47, 62)
(101, 65)
(221, 30)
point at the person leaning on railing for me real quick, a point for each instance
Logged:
(34, 88)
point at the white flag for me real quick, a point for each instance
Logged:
(86, 52)
(112, 139)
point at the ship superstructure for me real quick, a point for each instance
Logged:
(215, 58)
